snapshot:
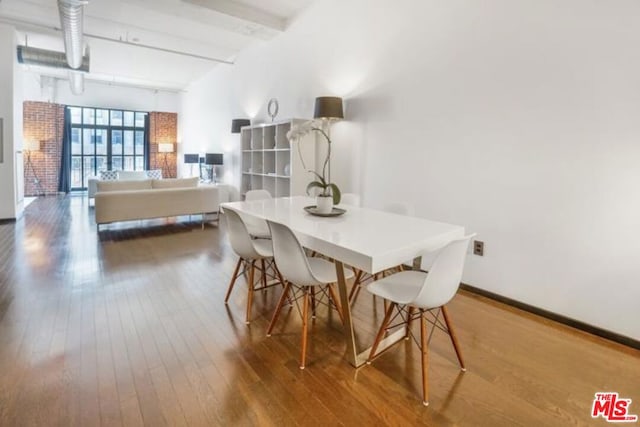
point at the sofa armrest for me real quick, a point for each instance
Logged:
(92, 186)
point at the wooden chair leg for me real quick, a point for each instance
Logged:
(356, 286)
(233, 280)
(305, 315)
(252, 272)
(334, 298)
(425, 359)
(383, 327)
(264, 275)
(452, 335)
(283, 298)
(312, 290)
(409, 320)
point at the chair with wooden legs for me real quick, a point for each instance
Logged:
(255, 254)
(309, 277)
(416, 295)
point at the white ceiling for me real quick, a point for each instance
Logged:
(215, 29)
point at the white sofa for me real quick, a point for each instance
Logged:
(150, 198)
(92, 182)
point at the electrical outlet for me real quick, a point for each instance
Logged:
(478, 248)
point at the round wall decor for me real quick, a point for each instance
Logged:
(272, 108)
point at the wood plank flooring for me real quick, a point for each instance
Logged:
(130, 329)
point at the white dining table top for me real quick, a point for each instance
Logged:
(365, 238)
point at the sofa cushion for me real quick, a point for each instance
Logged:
(123, 185)
(154, 174)
(132, 175)
(108, 175)
(175, 183)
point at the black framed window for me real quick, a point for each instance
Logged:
(105, 139)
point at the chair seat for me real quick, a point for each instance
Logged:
(401, 287)
(263, 247)
(325, 271)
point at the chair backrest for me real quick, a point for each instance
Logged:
(239, 237)
(444, 276)
(351, 199)
(290, 256)
(256, 195)
(400, 208)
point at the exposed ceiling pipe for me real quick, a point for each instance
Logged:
(49, 58)
(71, 20)
(71, 17)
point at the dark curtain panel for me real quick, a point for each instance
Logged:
(64, 181)
(147, 146)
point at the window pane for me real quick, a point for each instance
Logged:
(76, 144)
(139, 163)
(88, 139)
(101, 141)
(140, 120)
(116, 142)
(139, 142)
(76, 115)
(116, 163)
(88, 116)
(128, 142)
(88, 170)
(101, 163)
(102, 117)
(116, 118)
(128, 118)
(128, 163)
(76, 171)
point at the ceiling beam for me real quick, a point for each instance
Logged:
(243, 12)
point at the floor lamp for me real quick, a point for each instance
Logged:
(29, 147)
(213, 160)
(165, 148)
(328, 109)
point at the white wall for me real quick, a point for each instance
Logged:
(518, 120)
(97, 94)
(10, 207)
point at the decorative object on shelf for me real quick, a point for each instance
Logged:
(30, 146)
(287, 169)
(272, 108)
(329, 192)
(314, 210)
(191, 159)
(165, 149)
(212, 160)
(237, 124)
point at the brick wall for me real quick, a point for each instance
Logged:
(43, 122)
(163, 128)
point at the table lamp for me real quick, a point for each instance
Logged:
(213, 160)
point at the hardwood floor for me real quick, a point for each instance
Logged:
(131, 329)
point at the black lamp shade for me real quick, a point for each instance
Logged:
(213, 158)
(236, 124)
(328, 107)
(191, 158)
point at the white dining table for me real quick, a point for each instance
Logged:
(368, 239)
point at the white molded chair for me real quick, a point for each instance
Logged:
(257, 227)
(415, 293)
(306, 275)
(253, 255)
(351, 199)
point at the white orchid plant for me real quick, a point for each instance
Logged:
(327, 189)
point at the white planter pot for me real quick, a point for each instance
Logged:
(324, 204)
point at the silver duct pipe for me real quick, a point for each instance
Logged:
(76, 81)
(71, 17)
(48, 58)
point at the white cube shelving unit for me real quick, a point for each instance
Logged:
(271, 162)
